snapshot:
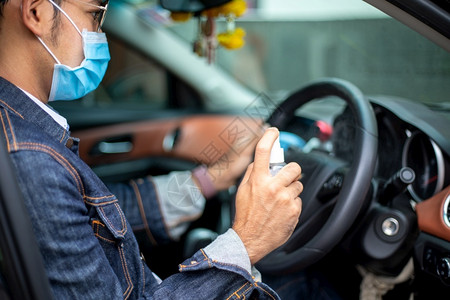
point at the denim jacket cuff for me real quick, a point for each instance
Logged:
(229, 249)
(225, 254)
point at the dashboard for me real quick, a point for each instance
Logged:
(425, 157)
(410, 135)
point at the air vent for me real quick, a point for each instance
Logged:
(447, 211)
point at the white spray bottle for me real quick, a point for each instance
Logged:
(276, 158)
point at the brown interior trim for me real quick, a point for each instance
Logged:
(430, 215)
(201, 138)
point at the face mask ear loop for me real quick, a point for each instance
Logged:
(49, 51)
(65, 14)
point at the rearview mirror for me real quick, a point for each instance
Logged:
(191, 6)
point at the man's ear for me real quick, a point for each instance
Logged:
(37, 15)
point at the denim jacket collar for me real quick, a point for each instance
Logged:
(18, 103)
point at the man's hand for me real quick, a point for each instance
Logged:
(267, 208)
(226, 171)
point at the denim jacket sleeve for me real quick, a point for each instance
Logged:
(201, 277)
(76, 265)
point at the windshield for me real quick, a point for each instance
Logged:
(292, 42)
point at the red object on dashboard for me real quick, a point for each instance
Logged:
(325, 130)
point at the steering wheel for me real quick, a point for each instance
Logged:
(334, 191)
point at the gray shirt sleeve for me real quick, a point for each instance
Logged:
(180, 199)
(229, 249)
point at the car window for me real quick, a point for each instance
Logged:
(290, 43)
(135, 80)
(357, 50)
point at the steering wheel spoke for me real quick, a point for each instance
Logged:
(332, 186)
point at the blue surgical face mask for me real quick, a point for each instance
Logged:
(73, 83)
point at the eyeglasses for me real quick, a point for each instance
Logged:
(99, 15)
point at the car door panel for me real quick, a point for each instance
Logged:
(199, 139)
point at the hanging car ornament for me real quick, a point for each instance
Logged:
(207, 11)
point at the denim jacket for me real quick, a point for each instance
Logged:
(86, 241)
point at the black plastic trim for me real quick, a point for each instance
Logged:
(428, 12)
(24, 272)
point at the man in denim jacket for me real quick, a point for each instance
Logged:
(83, 228)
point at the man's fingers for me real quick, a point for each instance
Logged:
(262, 151)
(290, 173)
(247, 173)
(299, 203)
(295, 189)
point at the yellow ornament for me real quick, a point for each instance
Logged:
(232, 40)
(234, 7)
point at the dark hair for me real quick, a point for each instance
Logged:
(56, 19)
(2, 4)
